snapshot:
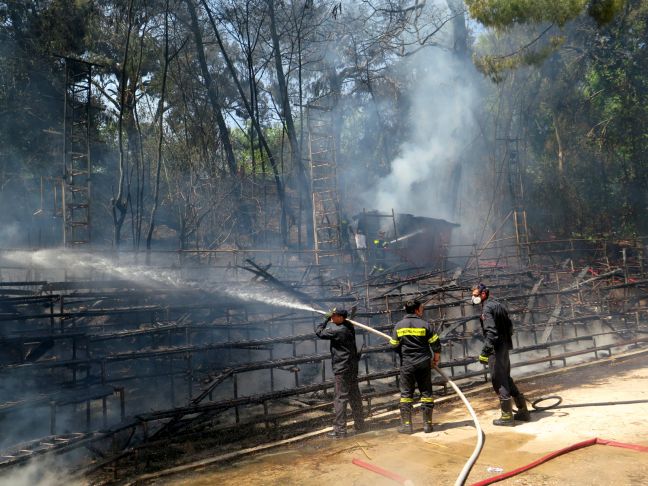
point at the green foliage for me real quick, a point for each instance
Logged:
(575, 71)
(504, 15)
(603, 11)
(31, 79)
(599, 109)
(497, 67)
(252, 159)
(501, 14)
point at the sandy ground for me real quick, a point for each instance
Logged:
(438, 458)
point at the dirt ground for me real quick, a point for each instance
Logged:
(438, 458)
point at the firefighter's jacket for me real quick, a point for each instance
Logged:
(380, 243)
(344, 353)
(415, 339)
(496, 325)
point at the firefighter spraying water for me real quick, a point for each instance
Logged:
(344, 359)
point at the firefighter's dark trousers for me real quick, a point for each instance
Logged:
(418, 375)
(347, 390)
(500, 369)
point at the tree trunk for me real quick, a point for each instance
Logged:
(211, 90)
(119, 203)
(255, 123)
(156, 196)
(459, 30)
(286, 113)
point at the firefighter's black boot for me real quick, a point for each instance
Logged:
(406, 421)
(506, 419)
(427, 419)
(522, 413)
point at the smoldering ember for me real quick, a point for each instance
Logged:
(323, 242)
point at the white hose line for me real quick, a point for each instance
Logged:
(362, 326)
(370, 329)
(480, 433)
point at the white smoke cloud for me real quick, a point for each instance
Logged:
(44, 472)
(10, 233)
(443, 130)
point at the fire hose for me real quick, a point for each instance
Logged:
(461, 479)
(552, 455)
(463, 476)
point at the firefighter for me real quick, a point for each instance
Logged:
(345, 231)
(344, 358)
(420, 348)
(379, 246)
(497, 329)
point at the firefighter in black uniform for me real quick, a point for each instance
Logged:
(497, 329)
(379, 245)
(419, 348)
(344, 358)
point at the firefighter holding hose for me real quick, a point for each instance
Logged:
(420, 348)
(344, 358)
(379, 246)
(497, 329)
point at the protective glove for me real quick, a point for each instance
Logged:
(485, 353)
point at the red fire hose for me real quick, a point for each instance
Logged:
(383, 472)
(548, 457)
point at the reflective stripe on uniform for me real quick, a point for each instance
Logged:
(411, 331)
(427, 400)
(433, 339)
(406, 400)
(394, 342)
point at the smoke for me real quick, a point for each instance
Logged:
(10, 232)
(90, 264)
(428, 177)
(146, 276)
(86, 265)
(45, 472)
(442, 130)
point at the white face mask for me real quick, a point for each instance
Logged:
(476, 299)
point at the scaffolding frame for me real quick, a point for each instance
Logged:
(517, 192)
(327, 223)
(75, 187)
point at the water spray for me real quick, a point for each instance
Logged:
(144, 275)
(90, 262)
(404, 237)
(292, 304)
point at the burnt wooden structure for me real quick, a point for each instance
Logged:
(124, 359)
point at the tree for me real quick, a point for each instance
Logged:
(582, 113)
(545, 18)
